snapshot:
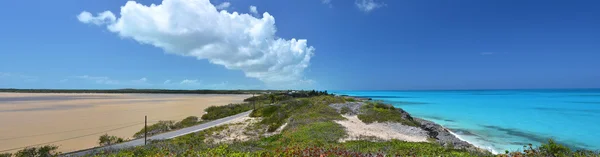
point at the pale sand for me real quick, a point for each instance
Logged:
(357, 130)
(35, 118)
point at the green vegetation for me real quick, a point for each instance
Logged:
(345, 110)
(187, 122)
(217, 112)
(164, 126)
(43, 151)
(551, 149)
(106, 140)
(156, 128)
(380, 112)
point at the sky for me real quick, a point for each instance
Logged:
(300, 44)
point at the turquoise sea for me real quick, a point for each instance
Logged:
(501, 120)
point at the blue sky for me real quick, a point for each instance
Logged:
(308, 44)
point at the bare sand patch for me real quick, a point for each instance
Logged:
(358, 130)
(34, 118)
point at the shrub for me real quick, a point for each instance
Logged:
(5, 155)
(160, 127)
(380, 112)
(106, 140)
(44, 151)
(348, 99)
(217, 112)
(187, 122)
(345, 110)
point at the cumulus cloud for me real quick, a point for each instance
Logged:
(253, 10)
(223, 5)
(197, 29)
(101, 18)
(167, 82)
(368, 5)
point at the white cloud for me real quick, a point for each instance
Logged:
(327, 2)
(167, 82)
(99, 79)
(368, 5)
(189, 82)
(105, 17)
(2, 74)
(236, 41)
(17, 76)
(253, 10)
(63, 80)
(223, 5)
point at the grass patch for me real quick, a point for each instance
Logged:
(164, 126)
(380, 112)
(218, 112)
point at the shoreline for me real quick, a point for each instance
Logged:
(481, 147)
(435, 128)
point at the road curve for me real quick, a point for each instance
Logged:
(162, 136)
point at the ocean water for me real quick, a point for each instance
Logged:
(501, 120)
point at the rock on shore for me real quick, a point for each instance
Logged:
(433, 130)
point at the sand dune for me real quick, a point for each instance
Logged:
(79, 119)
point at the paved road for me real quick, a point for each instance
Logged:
(163, 136)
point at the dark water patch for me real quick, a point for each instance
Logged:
(519, 133)
(534, 137)
(462, 132)
(407, 102)
(384, 97)
(54, 98)
(519, 143)
(585, 102)
(587, 95)
(437, 118)
(567, 110)
(490, 93)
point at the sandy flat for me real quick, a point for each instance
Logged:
(357, 129)
(75, 121)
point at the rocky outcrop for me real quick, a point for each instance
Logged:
(434, 131)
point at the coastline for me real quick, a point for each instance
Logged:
(472, 143)
(444, 136)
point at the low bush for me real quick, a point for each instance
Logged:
(159, 127)
(380, 112)
(550, 149)
(218, 112)
(187, 122)
(43, 151)
(106, 140)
